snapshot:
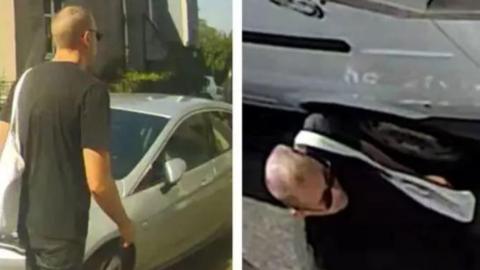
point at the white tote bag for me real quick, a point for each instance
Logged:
(11, 169)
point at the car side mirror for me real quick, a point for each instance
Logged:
(175, 169)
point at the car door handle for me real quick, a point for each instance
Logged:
(144, 224)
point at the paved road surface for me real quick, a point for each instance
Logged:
(273, 239)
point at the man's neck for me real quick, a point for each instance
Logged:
(66, 55)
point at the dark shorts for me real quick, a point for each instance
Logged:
(54, 254)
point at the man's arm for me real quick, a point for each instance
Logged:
(95, 134)
(105, 192)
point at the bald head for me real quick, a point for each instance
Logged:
(68, 26)
(286, 170)
(300, 182)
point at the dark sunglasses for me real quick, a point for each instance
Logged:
(327, 195)
(98, 35)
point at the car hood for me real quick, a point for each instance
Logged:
(417, 68)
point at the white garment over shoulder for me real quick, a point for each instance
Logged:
(455, 204)
(11, 169)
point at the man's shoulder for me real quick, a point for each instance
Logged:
(67, 70)
(97, 84)
(90, 81)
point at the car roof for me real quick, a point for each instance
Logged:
(162, 104)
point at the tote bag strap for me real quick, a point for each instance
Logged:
(14, 110)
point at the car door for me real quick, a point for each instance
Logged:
(220, 200)
(212, 198)
(182, 225)
(133, 140)
(150, 201)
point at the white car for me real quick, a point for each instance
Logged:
(172, 161)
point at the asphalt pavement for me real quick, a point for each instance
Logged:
(273, 239)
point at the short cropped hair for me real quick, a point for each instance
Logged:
(69, 24)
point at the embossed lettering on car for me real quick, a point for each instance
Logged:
(311, 8)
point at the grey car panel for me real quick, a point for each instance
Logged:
(416, 68)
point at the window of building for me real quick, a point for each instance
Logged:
(50, 7)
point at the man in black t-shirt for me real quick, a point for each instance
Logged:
(356, 219)
(64, 129)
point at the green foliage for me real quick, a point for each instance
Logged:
(132, 80)
(216, 50)
(4, 88)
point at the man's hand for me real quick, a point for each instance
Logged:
(438, 180)
(127, 231)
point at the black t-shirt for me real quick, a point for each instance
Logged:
(382, 228)
(62, 110)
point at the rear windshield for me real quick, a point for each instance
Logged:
(132, 135)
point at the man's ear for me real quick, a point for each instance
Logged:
(86, 38)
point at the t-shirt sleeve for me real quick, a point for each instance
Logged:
(7, 107)
(95, 118)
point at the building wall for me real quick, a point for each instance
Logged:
(7, 41)
(157, 31)
(192, 22)
(166, 22)
(176, 15)
(136, 12)
(184, 14)
(174, 24)
(24, 20)
(30, 34)
(177, 21)
(24, 35)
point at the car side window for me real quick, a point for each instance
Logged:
(155, 175)
(190, 142)
(221, 126)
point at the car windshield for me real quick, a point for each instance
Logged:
(132, 135)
